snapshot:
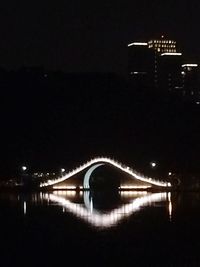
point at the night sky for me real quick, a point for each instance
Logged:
(91, 35)
(58, 121)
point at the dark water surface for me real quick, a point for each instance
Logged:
(69, 228)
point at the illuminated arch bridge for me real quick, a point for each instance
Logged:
(95, 163)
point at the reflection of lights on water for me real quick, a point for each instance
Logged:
(91, 205)
(64, 187)
(24, 207)
(111, 218)
(170, 206)
(133, 193)
(133, 187)
(170, 211)
(65, 193)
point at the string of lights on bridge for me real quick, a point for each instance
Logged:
(112, 162)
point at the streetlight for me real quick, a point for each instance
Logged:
(23, 175)
(24, 168)
(153, 164)
(62, 170)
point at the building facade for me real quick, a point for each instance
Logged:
(141, 64)
(191, 81)
(163, 45)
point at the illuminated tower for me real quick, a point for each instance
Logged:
(163, 47)
(155, 63)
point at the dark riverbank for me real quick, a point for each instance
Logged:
(65, 119)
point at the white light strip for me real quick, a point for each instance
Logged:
(137, 72)
(190, 65)
(133, 187)
(64, 187)
(138, 43)
(170, 206)
(171, 54)
(112, 162)
(109, 219)
(133, 193)
(65, 193)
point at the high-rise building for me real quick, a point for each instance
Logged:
(169, 71)
(155, 63)
(141, 63)
(163, 47)
(191, 81)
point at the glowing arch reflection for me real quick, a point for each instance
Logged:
(112, 218)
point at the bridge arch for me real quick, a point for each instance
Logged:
(103, 160)
(86, 181)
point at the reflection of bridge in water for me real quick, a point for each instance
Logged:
(105, 219)
(143, 182)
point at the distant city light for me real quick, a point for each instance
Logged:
(190, 65)
(138, 72)
(62, 170)
(138, 43)
(169, 173)
(24, 168)
(171, 54)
